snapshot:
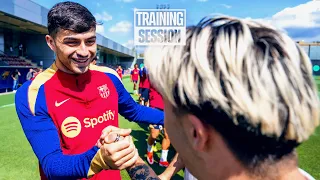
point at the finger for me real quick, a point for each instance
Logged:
(99, 144)
(125, 158)
(115, 147)
(121, 132)
(105, 133)
(123, 153)
(126, 144)
(113, 137)
(131, 162)
(101, 141)
(107, 130)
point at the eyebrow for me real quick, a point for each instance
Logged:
(92, 37)
(72, 38)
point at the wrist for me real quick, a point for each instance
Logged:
(137, 163)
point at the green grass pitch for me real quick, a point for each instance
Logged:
(17, 160)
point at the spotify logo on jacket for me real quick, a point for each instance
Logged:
(71, 127)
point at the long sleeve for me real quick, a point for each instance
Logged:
(133, 111)
(43, 137)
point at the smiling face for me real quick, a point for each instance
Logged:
(74, 51)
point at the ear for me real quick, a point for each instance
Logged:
(51, 43)
(198, 133)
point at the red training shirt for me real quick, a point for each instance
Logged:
(155, 99)
(135, 74)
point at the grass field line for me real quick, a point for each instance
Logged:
(6, 93)
(7, 105)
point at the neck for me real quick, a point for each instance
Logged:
(62, 67)
(230, 168)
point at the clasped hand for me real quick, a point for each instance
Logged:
(118, 152)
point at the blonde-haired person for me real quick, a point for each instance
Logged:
(239, 98)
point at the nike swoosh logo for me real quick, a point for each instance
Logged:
(60, 103)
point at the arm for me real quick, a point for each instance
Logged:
(141, 171)
(133, 111)
(43, 137)
(175, 166)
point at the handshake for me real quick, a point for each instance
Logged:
(117, 151)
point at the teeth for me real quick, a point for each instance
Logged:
(80, 60)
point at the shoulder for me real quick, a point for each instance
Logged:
(28, 93)
(108, 71)
(23, 90)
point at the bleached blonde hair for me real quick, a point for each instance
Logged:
(245, 68)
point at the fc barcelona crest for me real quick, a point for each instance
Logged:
(104, 91)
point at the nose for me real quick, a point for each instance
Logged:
(83, 51)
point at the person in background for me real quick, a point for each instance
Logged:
(15, 76)
(119, 71)
(156, 101)
(30, 74)
(135, 78)
(37, 72)
(144, 86)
